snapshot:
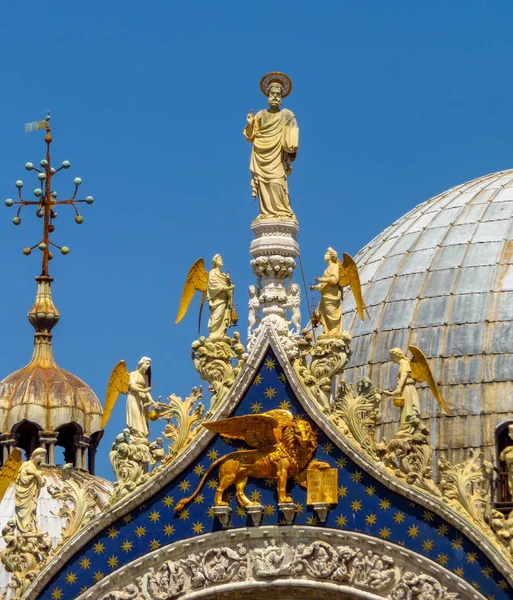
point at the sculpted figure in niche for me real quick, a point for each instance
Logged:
(507, 456)
(275, 137)
(28, 484)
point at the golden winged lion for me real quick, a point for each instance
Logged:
(282, 446)
(338, 274)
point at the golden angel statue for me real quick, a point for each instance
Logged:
(137, 386)
(336, 276)
(217, 287)
(275, 137)
(411, 371)
(282, 447)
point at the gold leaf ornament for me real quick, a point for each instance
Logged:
(420, 371)
(196, 281)
(10, 470)
(349, 276)
(118, 384)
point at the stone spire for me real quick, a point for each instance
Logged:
(42, 404)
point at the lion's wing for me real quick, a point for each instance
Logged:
(256, 430)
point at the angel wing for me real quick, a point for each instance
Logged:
(349, 276)
(10, 470)
(118, 384)
(256, 430)
(196, 280)
(420, 371)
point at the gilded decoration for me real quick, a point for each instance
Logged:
(282, 447)
(274, 134)
(218, 358)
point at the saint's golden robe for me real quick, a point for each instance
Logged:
(275, 138)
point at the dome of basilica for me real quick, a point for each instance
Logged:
(441, 278)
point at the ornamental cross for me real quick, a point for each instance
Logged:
(46, 198)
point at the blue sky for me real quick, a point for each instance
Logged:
(396, 102)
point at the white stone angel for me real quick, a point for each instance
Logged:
(254, 307)
(294, 305)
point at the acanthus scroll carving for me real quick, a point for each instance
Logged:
(319, 560)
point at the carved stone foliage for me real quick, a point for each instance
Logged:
(410, 457)
(184, 418)
(461, 486)
(130, 457)
(349, 565)
(218, 361)
(79, 501)
(320, 361)
(356, 413)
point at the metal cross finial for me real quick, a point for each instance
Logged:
(46, 198)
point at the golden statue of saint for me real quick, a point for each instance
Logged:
(275, 137)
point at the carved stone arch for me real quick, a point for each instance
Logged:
(280, 563)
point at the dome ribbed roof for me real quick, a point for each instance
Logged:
(45, 394)
(42, 392)
(441, 278)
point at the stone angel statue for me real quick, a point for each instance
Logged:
(217, 288)
(137, 386)
(411, 371)
(337, 275)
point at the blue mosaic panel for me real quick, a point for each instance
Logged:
(365, 506)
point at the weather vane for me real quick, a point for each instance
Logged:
(46, 198)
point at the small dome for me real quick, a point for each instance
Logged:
(441, 278)
(43, 404)
(45, 394)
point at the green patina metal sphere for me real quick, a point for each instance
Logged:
(77, 181)
(16, 220)
(26, 251)
(29, 166)
(66, 164)
(44, 163)
(89, 199)
(42, 246)
(19, 184)
(38, 192)
(79, 219)
(41, 176)
(65, 250)
(9, 202)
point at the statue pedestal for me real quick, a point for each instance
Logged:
(223, 513)
(255, 512)
(288, 510)
(322, 509)
(274, 251)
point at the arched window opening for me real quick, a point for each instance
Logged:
(68, 437)
(502, 441)
(27, 437)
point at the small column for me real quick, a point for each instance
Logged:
(81, 460)
(48, 440)
(8, 442)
